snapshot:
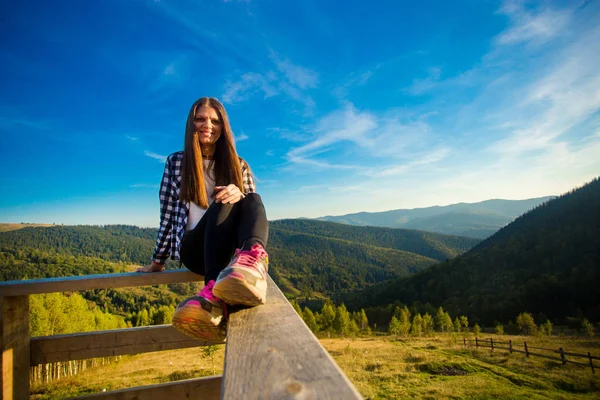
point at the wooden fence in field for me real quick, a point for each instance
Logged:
(497, 344)
(270, 352)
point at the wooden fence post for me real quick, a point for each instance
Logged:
(465, 340)
(492, 342)
(476, 342)
(562, 356)
(526, 351)
(510, 346)
(591, 363)
(14, 344)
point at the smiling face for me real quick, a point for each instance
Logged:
(208, 125)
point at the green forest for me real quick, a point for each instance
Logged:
(304, 259)
(546, 262)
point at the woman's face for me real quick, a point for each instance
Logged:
(208, 125)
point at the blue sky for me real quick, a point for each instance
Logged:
(338, 107)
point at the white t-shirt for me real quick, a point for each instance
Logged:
(197, 212)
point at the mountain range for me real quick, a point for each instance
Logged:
(476, 220)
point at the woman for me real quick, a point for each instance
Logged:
(209, 213)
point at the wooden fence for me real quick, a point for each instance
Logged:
(270, 352)
(497, 344)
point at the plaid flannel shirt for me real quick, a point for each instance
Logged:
(174, 212)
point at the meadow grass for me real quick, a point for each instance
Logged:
(381, 367)
(441, 367)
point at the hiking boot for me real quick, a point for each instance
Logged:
(244, 280)
(203, 316)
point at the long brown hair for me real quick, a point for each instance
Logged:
(226, 162)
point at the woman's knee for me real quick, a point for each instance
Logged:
(252, 201)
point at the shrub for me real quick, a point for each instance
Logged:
(587, 327)
(526, 324)
(499, 329)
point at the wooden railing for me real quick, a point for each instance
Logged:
(512, 348)
(270, 352)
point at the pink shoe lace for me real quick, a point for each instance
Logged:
(207, 292)
(249, 258)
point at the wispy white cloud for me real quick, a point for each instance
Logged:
(285, 79)
(558, 101)
(354, 79)
(158, 157)
(527, 26)
(420, 86)
(248, 85)
(380, 140)
(298, 76)
(241, 137)
(132, 138)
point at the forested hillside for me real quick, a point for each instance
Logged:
(428, 244)
(547, 261)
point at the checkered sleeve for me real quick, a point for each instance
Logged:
(247, 178)
(167, 206)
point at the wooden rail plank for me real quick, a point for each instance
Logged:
(271, 354)
(574, 354)
(542, 348)
(14, 344)
(87, 282)
(544, 356)
(81, 346)
(578, 363)
(206, 388)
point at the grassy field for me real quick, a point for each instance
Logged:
(438, 367)
(6, 227)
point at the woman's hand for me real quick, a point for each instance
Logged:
(154, 267)
(229, 194)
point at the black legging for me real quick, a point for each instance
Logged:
(208, 248)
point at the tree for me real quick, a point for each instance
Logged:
(526, 324)
(327, 317)
(143, 318)
(464, 323)
(296, 306)
(440, 320)
(546, 328)
(457, 324)
(417, 325)
(353, 329)
(164, 315)
(499, 329)
(476, 330)
(310, 320)
(39, 323)
(394, 327)
(342, 320)
(427, 324)
(209, 352)
(363, 322)
(404, 320)
(448, 322)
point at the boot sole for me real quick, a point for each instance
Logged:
(196, 322)
(236, 291)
